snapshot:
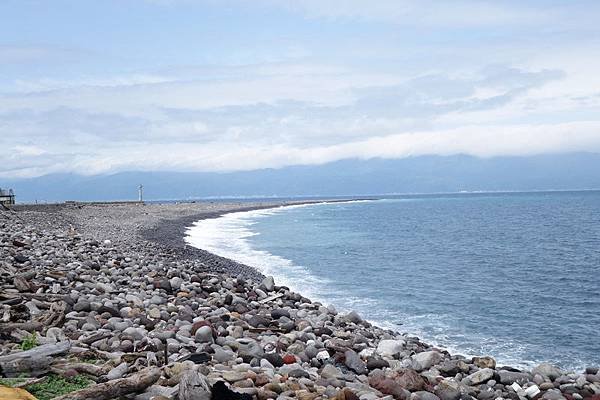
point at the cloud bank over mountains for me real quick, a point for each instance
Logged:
(184, 85)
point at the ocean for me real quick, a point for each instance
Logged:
(511, 275)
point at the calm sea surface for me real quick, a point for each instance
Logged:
(515, 276)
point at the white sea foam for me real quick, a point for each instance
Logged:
(227, 236)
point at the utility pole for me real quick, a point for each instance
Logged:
(141, 192)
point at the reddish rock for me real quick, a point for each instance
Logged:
(289, 359)
(262, 379)
(410, 380)
(389, 386)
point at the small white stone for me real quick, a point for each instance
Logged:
(532, 391)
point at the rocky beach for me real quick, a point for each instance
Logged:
(112, 294)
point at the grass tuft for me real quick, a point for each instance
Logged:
(10, 382)
(56, 386)
(29, 342)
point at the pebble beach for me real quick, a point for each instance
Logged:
(112, 292)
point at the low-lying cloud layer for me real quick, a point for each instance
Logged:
(435, 84)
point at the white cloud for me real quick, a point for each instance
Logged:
(480, 140)
(397, 79)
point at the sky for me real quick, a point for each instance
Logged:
(95, 87)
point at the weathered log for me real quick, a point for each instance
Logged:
(28, 275)
(21, 284)
(55, 316)
(116, 388)
(31, 366)
(81, 367)
(26, 326)
(33, 309)
(94, 337)
(5, 313)
(36, 352)
(193, 385)
(11, 301)
(38, 296)
(117, 372)
(85, 353)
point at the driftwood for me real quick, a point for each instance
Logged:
(86, 353)
(40, 351)
(5, 313)
(116, 388)
(270, 298)
(95, 337)
(21, 284)
(117, 372)
(32, 366)
(38, 296)
(193, 385)
(25, 326)
(251, 329)
(81, 367)
(55, 316)
(35, 361)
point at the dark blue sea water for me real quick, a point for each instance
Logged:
(515, 276)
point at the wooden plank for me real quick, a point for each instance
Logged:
(270, 298)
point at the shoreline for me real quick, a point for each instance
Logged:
(126, 281)
(516, 364)
(235, 264)
(172, 233)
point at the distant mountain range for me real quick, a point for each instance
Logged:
(423, 174)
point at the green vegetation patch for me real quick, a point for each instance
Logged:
(11, 382)
(29, 342)
(55, 386)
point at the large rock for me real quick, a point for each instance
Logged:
(250, 348)
(453, 367)
(389, 386)
(546, 369)
(553, 395)
(376, 363)
(268, 283)
(353, 316)
(354, 362)
(220, 391)
(194, 386)
(426, 359)
(389, 347)
(510, 377)
(448, 389)
(331, 372)
(204, 335)
(484, 362)
(410, 379)
(479, 377)
(423, 395)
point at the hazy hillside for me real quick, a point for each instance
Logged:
(349, 177)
